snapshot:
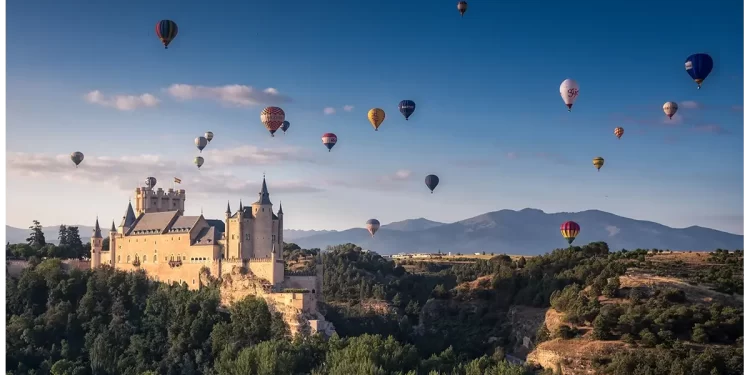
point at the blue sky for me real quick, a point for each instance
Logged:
(489, 120)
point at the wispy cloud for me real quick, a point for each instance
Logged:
(512, 155)
(390, 182)
(690, 104)
(710, 128)
(677, 119)
(329, 110)
(126, 172)
(348, 108)
(122, 102)
(738, 108)
(229, 95)
(251, 155)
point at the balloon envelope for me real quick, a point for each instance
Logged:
(699, 66)
(570, 230)
(598, 162)
(569, 92)
(619, 131)
(670, 108)
(198, 161)
(150, 181)
(462, 6)
(372, 226)
(432, 182)
(329, 140)
(209, 136)
(285, 126)
(272, 118)
(76, 157)
(201, 143)
(376, 117)
(407, 107)
(166, 30)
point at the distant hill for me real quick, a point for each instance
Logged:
(294, 234)
(19, 235)
(528, 231)
(412, 225)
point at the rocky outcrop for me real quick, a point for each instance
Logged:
(573, 357)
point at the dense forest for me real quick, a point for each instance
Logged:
(434, 318)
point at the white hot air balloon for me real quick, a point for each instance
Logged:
(670, 108)
(569, 92)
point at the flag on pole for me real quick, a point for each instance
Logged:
(177, 180)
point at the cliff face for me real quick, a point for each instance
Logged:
(299, 310)
(574, 357)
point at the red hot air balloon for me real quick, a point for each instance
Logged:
(570, 230)
(329, 140)
(272, 118)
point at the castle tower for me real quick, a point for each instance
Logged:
(263, 234)
(96, 246)
(280, 231)
(149, 200)
(112, 244)
(127, 220)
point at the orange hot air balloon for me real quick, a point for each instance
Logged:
(376, 117)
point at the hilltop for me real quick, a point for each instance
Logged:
(525, 232)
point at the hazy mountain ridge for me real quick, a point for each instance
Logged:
(19, 235)
(528, 231)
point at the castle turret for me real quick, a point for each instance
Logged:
(112, 243)
(228, 212)
(96, 246)
(264, 235)
(280, 228)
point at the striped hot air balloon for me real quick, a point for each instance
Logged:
(329, 140)
(598, 162)
(372, 226)
(569, 231)
(166, 30)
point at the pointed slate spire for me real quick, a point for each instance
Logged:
(240, 204)
(281, 212)
(264, 199)
(129, 217)
(229, 210)
(113, 229)
(97, 229)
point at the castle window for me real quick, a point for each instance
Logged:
(247, 236)
(128, 258)
(145, 258)
(232, 236)
(264, 210)
(273, 238)
(184, 257)
(193, 281)
(154, 258)
(118, 259)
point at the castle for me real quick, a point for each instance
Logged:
(244, 250)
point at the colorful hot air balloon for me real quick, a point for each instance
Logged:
(569, 92)
(372, 226)
(618, 132)
(209, 136)
(598, 162)
(329, 140)
(699, 66)
(201, 143)
(150, 181)
(76, 157)
(285, 126)
(272, 118)
(166, 30)
(670, 108)
(569, 231)
(462, 6)
(432, 182)
(407, 107)
(198, 161)
(376, 117)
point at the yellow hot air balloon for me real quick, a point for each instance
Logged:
(376, 117)
(598, 162)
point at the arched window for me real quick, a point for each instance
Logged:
(128, 258)
(118, 259)
(154, 258)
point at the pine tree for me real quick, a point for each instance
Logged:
(36, 237)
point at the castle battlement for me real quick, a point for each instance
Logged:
(259, 260)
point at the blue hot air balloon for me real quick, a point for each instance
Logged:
(699, 66)
(432, 182)
(407, 107)
(285, 126)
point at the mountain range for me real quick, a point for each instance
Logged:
(525, 232)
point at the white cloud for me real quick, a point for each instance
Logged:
(122, 102)
(252, 155)
(329, 110)
(127, 172)
(232, 95)
(613, 230)
(689, 104)
(348, 108)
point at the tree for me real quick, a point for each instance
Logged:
(36, 237)
(601, 331)
(521, 262)
(74, 241)
(613, 284)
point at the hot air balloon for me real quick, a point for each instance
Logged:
(151, 181)
(285, 126)
(376, 117)
(462, 6)
(432, 182)
(209, 136)
(329, 140)
(618, 132)
(166, 30)
(569, 231)
(201, 143)
(699, 66)
(76, 157)
(372, 226)
(198, 161)
(598, 162)
(272, 118)
(670, 108)
(569, 92)
(407, 107)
